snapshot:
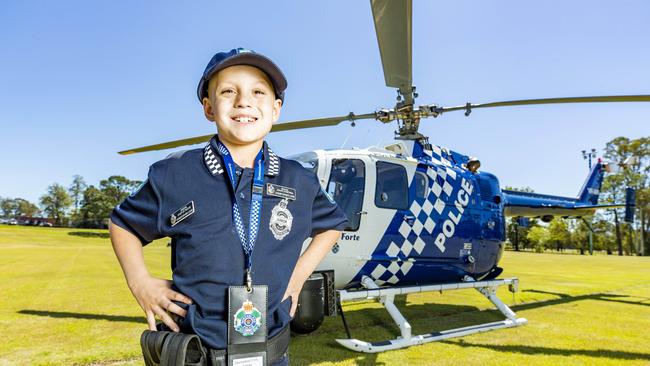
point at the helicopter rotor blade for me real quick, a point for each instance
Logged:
(168, 145)
(393, 25)
(594, 99)
(295, 125)
(320, 122)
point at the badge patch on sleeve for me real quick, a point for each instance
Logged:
(281, 220)
(182, 213)
(280, 191)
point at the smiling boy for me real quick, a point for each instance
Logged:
(237, 215)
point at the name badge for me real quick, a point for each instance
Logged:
(182, 213)
(280, 191)
(247, 331)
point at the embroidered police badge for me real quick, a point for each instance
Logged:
(281, 219)
(247, 319)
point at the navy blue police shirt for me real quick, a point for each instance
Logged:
(207, 255)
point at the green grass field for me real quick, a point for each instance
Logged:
(64, 302)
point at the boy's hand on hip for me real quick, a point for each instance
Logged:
(320, 245)
(294, 293)
(155, 297)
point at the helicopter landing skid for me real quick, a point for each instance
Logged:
(387, 296)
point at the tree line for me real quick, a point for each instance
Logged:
(610, 232)
(82, 205)
(78, 205)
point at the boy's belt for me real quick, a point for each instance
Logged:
(164, 348)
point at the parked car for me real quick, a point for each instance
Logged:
(12, 222)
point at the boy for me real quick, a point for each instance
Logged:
(237, 215)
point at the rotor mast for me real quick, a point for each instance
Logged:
(393, 26)
(407, 117)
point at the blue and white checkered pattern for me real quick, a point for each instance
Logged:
(211, 161)
(426, 211)
(391, 274)
(239, 225)
(274, 163)
(214, 165)
(255, 220)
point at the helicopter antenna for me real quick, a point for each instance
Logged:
(345, 141)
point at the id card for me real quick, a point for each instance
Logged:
(247, 328)
(249, 359)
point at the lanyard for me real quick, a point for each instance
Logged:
(256, 205)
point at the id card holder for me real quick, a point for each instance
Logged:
(247, 329)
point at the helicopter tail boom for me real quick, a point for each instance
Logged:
(545, 206)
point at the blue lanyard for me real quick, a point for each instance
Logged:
(256, 205)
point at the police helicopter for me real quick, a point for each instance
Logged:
(421, 217)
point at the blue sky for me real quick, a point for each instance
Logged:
(82, 80)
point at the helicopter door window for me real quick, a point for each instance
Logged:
(392, 186)
(346, 185)
(421, 185)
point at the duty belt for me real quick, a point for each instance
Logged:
(164, 348)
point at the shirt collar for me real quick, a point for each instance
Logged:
(212, 158)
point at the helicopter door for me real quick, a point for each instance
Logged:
(347, 186)
(392, 200)
(392, 186)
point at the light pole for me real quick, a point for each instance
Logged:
(588, 156)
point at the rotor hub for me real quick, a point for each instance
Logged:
(407, 116)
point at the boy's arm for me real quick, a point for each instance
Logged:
(153, 294)
(320, 245)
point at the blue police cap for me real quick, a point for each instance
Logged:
(242, 56)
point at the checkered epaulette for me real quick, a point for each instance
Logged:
(211, 160)
(274, 163)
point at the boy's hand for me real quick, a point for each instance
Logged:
(155, 297)
(320, 245)
(293, 291)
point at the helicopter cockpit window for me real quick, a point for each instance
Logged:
(421, 185)
(392, 186)
(346, 185)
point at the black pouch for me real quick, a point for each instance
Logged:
(163, 348)
(247, 331)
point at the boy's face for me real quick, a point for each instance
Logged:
(241, 100)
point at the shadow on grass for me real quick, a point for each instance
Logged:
(65, 314)
(376, 325)
(89, 234)
(535, 351)
(564, 298)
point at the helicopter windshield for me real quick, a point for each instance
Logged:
(346, 185)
